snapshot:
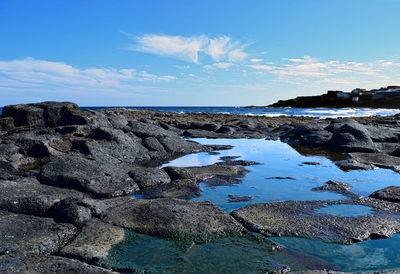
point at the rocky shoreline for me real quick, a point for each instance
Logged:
(69, 176)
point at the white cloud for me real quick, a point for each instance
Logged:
(31, 72)
(220, 65)
(256, 60)
(220, 49)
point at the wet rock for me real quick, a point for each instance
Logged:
(350, 136)
(28, 196)
(295, 218)
(180, 189)
(311, 163)
(228, 130)
(380, 134)
(337, 187)
(24, 234)
(87, 176)
(239, 163)
(173, 218)
(207, 172)
(32, 264)
(149, 177)
(391, 194)
(237, 199)
(93, 242)
(382, 160)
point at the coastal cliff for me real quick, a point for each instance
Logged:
(388, 97)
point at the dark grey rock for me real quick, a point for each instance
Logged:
(152, 143)
(228, 130)
(44, 114)
(180, 189)
(28, 196)
(337, 187)
(24, 234)
(177, 173)
(382, 160)
(149, 177)
(391, 194)
(280, 178)
(177, 145)
(71, 211)
(173, 218)
(33, 264)
(311, 134)
(237, 199)
(350, 136)
(94, 241)
(87, 176)
(296, 218)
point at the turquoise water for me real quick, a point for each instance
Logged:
(345, 210)
(251, 253)
(254, 253)
(281, 160)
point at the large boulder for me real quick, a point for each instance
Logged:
(24, 234)
(310, 134)
(173, 218)
(87, 176)
(350, 136)
(43, 114)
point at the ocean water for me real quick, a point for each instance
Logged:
(272, 112)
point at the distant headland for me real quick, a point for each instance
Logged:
(386, 97)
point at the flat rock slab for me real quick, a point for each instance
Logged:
(173, 218)
(94, 241)
(23, 234)
(32, 264)
(391, 194)
(87, 176)
(296, 218)
(28, 196)
(382, 160)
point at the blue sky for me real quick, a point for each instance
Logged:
(204, 52)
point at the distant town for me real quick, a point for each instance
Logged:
(385, 97)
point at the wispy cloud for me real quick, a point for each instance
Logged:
(298, 70)
(41, 73)
(220, 49)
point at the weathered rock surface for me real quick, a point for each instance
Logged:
(391, 194)
(376, 159)
(28, 196)
(173, 218)
(44, 114)
(93, 242)
(337, 187)
(24, 234)
(87, 176)
(295, 218)
(32, 264)
(149, 177)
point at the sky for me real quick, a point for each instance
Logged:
(194, 53)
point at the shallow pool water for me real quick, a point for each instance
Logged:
(281, 160)
(345, 210)
(369, 255)
(251, 253)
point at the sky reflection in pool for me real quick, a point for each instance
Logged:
(345, 210)
(281, 160)
(364, 256)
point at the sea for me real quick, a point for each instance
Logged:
(319, 113)
(270, 112)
